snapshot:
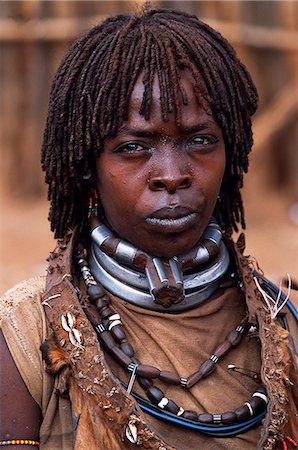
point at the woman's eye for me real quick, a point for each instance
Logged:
(203, 140)
(130, 147)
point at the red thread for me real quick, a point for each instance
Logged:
(291, 441)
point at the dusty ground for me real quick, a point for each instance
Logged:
(25, 239)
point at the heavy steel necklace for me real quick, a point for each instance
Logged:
(160, 284)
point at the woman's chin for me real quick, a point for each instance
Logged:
(170, 247)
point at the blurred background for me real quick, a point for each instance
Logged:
(33, 37)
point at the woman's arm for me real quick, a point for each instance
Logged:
(20, 416)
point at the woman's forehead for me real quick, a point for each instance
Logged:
(186, 82)
(192, 113)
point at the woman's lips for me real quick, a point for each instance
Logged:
(173, 220)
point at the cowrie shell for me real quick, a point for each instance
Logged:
(64, 324)
(72, 339)
(77, 335)
(131, 433)
(75, 338)
(71, 320)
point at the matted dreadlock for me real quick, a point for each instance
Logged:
(91, 91)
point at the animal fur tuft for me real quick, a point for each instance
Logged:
(53, 356)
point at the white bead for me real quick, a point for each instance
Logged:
(262, 396)
(163, 402)
(180, 412)
(114, 317)
(251, 411)
(114, 323)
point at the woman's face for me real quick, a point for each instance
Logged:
(157, 182)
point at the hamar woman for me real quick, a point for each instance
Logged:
(152, 329)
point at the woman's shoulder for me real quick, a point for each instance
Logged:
(22, 317)
(24, 327)
(27, 292)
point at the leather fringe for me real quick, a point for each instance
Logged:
(275, 353)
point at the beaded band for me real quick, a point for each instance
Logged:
(19, 442)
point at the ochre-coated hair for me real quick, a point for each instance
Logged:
(91, 91)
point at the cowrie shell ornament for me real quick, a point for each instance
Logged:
(75, 336)
(65, 325)
(131, 433)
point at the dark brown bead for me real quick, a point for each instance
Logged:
(222, 349)
(80, 251)
(234, 337)
(144, 383)
(92, 314)
(211, 248)
(148, 371)
(106, 312)
(205, 418)
(118, 333)
(262, 390)
(102, 303)
(120, 356)
(172, 407)
(190, 415)
(207, 367)
(95, 291)
(127, 349)
(154, 394)
(227, 283)
(107, 340)
(193, 379)
(242, 412)
(169, 377)
(257, 404)
(229, 417)
(106, 323)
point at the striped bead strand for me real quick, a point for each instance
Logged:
(108, 325)
(255, 405)
(104, 318)
(146, 373)
(18, 442)
(232, 340)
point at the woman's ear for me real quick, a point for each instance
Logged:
(89, 178)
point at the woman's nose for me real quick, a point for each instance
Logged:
(170, 175)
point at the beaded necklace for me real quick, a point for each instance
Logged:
(107, 323)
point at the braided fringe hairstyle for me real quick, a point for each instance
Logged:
(91, 91)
